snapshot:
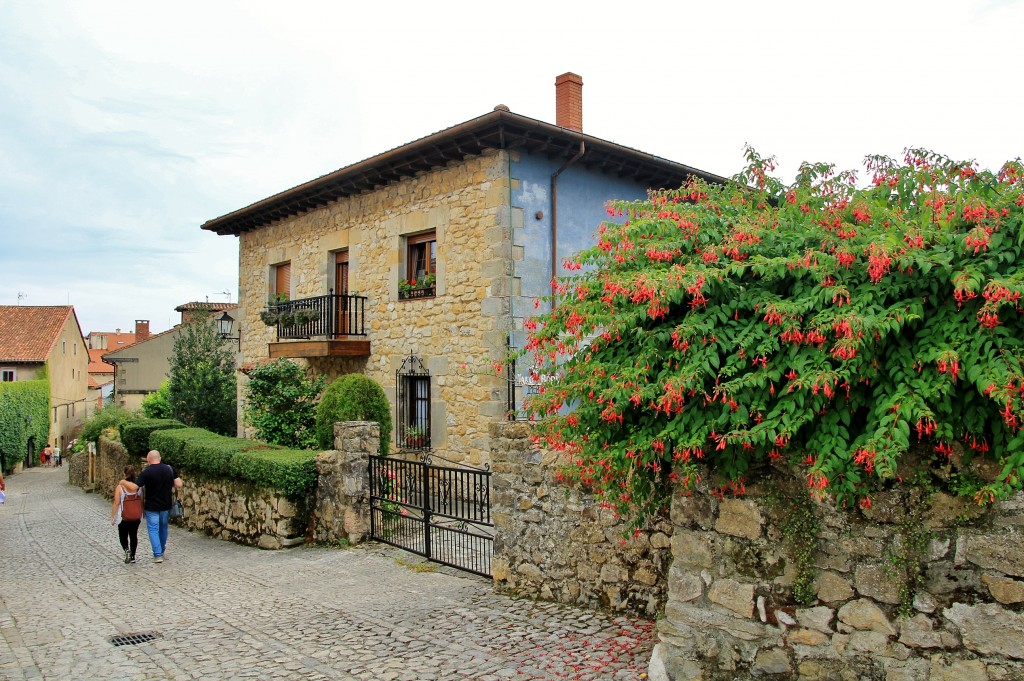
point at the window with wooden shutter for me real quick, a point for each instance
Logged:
(283, 281)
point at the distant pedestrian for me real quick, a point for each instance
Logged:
(44, 458)
(126, 514)
(3, 488)
(159, 481)
(56, 456)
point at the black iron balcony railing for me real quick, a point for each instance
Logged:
(330, 316)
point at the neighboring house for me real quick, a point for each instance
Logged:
(140, 368)
(101, 374)
(480, 216)
(46, 342)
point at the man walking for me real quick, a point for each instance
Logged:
(159, 481)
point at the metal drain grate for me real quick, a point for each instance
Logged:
(132, 639)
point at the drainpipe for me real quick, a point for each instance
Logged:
(554, 212)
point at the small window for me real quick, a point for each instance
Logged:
(7, 376)
(413, 423)
(63, 347)
(283, 281)
(420, 267)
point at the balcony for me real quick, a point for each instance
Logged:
(324, 326)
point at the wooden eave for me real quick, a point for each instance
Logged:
(495, 130)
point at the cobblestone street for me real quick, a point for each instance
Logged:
(223, 611)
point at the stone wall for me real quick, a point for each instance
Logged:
(242, 513)
(555, 542)
(342, 510)
(731, 615)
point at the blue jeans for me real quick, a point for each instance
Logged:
(156, 524)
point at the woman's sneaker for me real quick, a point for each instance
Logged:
(127, 556)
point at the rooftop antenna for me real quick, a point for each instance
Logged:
(20, 296)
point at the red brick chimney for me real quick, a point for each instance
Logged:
(569, 101)
(141, 330)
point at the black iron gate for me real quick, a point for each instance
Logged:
(442, 513)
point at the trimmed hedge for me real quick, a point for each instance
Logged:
(135, 433)
(289, 471)
(353, 397)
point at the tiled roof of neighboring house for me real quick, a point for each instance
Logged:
(97, 365)
(212, 307)
(499, 129)
(115, 339)
(28, 332)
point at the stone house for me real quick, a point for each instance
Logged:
(39, 342)
(418, 266)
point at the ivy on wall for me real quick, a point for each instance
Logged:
(24, 415)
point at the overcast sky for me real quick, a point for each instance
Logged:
(126, 125)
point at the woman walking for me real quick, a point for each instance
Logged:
(126, 513)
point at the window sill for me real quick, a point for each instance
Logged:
(417, 293)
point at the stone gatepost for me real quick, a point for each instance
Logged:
(342, 511)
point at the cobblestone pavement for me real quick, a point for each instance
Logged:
(224, 611)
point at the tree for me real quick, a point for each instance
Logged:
(858, 334)
(280, 403)
(202, 382)
(157, 405)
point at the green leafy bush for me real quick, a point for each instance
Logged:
(831, 328)
(289, 471)
(24, 417)
(157, 405)
(353, 397)
(110, 416)
(280, 403)
(135, 433)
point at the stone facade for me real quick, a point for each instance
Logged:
(457, 335)
(730, 612)
(555, 542)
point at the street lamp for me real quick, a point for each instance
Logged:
(224, 324)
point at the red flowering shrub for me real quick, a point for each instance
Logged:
(724, 328)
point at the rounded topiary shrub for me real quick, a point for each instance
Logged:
(353, 397)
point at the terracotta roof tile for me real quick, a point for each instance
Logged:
(28, 332)
(212, 307)
(96, 363)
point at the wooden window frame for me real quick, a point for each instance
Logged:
(4, 373)
(420, 261)
(280, 267)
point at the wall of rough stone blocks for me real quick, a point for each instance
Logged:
(730, 612)
(226, 509)
(556, 542)
(457, 335)
(342, 510)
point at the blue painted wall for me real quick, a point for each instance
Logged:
(582, 199)
(582, 196)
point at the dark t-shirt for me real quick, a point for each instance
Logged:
(158, 479)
